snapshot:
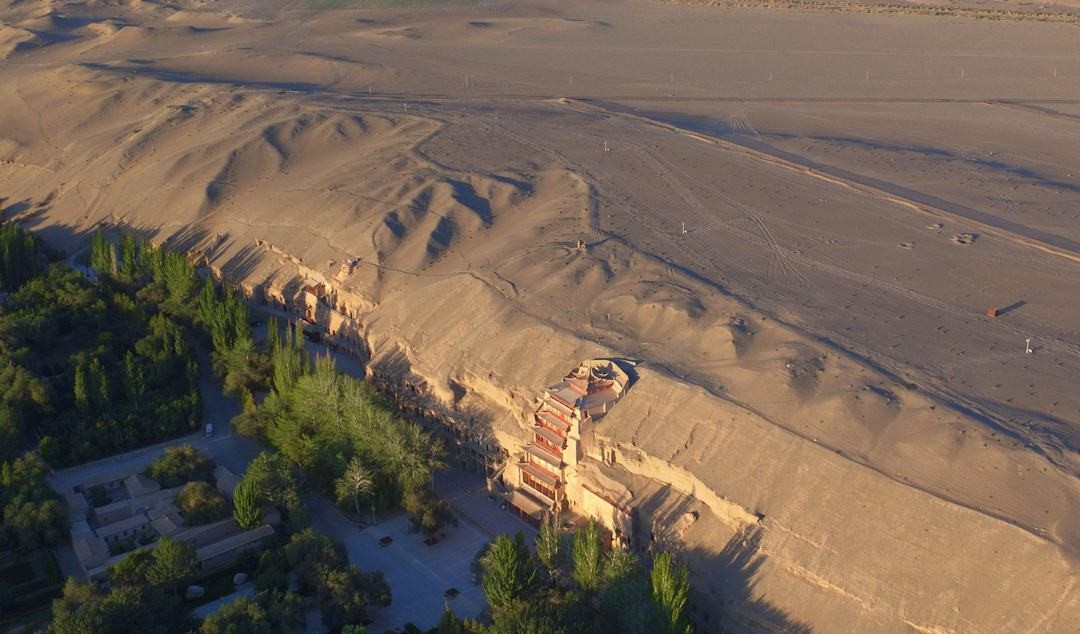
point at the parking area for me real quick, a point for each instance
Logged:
(420, 575)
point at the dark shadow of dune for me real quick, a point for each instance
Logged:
(733, 604)
(465, 194)
(193, 78)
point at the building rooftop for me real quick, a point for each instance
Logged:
(108, 477)
(90, 549)
(168, 524)
(552, 419)
(549, 435)
(233, 542)
(528, 504)
(138, 485)
(540, 474)
(544, 455)
(226, 480)
(590, 389)
(116, 528)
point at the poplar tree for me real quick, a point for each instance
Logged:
(129, 255)
(179, 276)
(587, 558)
(102, 255)
(670, 591)
(246, 510)
(509, 573)
(549, 543)
(82, 398)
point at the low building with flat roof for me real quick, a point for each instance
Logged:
(225, 551)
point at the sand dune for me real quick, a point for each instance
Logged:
(817, 376)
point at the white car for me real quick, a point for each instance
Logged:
(209, 430)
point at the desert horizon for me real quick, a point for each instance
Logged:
(833, 246)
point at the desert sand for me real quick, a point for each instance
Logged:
(818, 375)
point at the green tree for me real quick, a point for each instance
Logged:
(587, 558)
(449, 623)
(549, 543)
(129, 256)
(133, 570)
(289, 360)
(179, 277)
(81, 393)
(273, 481)
(32, 516)
(134, 379)
(21, 257)
(355, 483)
(625, 600)
(201, 503)
(267, 613)
(102, 255)
(246, 503)
(173, 564)
(670, 591)
(85, 607)
(181, 464)
(531, 617)
(509, 573)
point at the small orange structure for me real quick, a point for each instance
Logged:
(992, 312)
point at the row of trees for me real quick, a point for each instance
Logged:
(33, 516)
(269, 482)
(95, 366)
(144, 594)
(346, 438)
(572, 585)
(21, 256)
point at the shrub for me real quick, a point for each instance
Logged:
(201, 503)
(427, 512)
(181, 464)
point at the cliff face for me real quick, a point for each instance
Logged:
(835, 545)
(829, 494)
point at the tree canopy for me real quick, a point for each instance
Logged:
(509, 573)
(181, 464)
(32, 514)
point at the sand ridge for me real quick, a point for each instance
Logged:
(799, 362)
